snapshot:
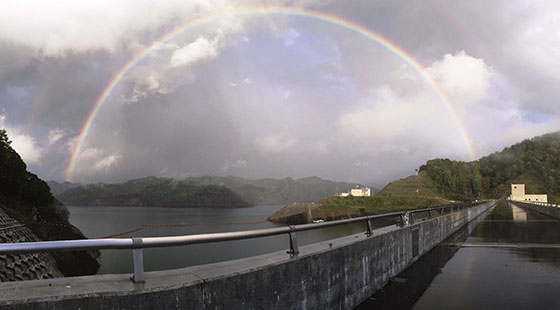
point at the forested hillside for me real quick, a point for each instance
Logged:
(534, 162)
(153, 191)
(26, 198)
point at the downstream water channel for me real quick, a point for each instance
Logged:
(510, 260)
(97, 222)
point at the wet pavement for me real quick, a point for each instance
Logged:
(510, 260)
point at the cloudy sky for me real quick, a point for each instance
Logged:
(273, 95)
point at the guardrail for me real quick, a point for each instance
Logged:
(538, 203)
(138, 243)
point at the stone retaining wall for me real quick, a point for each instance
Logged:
(23, 266)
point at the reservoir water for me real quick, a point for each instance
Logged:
(511, 260)
(97, 222)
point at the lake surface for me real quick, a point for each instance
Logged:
(97, 222)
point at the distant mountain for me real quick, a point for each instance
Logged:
(534, 162)
(277, 191)
(153, 191)
(162, 191)
(58, 188)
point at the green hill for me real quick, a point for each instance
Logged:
(534, 162)
(153, 191)
(420, 185)
(26, 198)
(333, 208)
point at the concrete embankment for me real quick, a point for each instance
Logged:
(336, 274)
(548, 210)
(19, 267)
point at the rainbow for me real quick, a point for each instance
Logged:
(320, 16)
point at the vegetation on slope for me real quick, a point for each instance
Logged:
(419, 185)
(23, 195)
(346, 207)
(534, 162)
(350, 206)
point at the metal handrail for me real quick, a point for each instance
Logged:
(538, 203)
(138, 243)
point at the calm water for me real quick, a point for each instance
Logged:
(510, 261)
(96, 222)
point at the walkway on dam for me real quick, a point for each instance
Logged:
(511, 260)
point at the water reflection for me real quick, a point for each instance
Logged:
(403, 291)
(519, 215)
(512, 261)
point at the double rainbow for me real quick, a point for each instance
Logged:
(319, 16)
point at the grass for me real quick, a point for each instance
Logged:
(408, 186)
(336, 207)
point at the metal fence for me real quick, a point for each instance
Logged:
(138, 243)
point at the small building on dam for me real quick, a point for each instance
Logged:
(518, 194)
(358, 192)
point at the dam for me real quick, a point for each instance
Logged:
(335, 274)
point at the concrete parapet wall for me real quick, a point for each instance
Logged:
(548, 210)
(336, 274)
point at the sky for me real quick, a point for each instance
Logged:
(273, 94)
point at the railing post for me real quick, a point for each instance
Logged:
(369, 229)
(407, 218)
(403, 219)
(138, 260)
(430, 213)
(294, 250)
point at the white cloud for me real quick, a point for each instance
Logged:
(236, 165)
(464, 79)
(290, 37)
(55, 135)
(320, 147)
(275, 143)
(200, 49)
(82, 26)
(107, 162)
(91, 153)
(24, 144)
(72, 143)
(285, 94)
(385, 115)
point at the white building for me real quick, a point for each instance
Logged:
(358, 192)
(518, 194)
